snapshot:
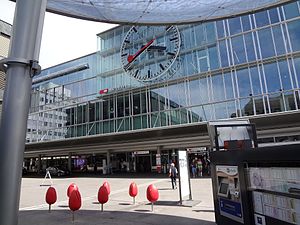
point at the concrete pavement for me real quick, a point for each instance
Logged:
(120, 208)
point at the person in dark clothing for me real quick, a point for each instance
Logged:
(173, 174)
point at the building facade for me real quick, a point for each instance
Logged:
(144, 78)
(5, 34)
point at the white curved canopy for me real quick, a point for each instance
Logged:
(157, 11)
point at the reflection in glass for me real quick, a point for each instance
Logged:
(272, 77)
(259, 105)
(266, 43)
(246, 23)
(273, 13)
(249, 47)
(293, 28)
(234, 25)
(221, 111)
(261, 19)
(291, 10)
(255, 80)
(278, 38)
(238, 49)
(285, 75)
(218, 87)
(276, 103)
(243, 83)
(246, 107)
(228, 86)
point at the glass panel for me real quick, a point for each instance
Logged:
(291, 10)
(218, 87)
(276, 103)
(272, 77)
(223, 53)
(213, 58)
(273, 13)
(293, 28)
(200, 35)
(144, 122)
(143, 103)
(136, 104)
(259, 105)
(220, 29)
(246, 107)
(154, 101)
(246, 23)
(256, 87)
(285, 75)
(208, 112)
(195, 94)
(173, 96)
(210, 32)
(266, 43)
(289, 101)
(278, 38)
(235, 25)
(297, 68)
(228, 86)
(155, 120)
(238, 49)
(198, 114)
(120, 106)
(261, 19)
(175, 117)
(164, 118)
(244, 83)
(137, 122)
(204, 90)
(231, 109)
(250, 47)
(221, 111)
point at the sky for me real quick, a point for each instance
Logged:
(63, 38)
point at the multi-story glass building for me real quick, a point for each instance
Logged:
(5, 33)
(151, 89)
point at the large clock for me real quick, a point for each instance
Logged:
(148, 52)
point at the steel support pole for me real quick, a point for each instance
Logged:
(24, 48)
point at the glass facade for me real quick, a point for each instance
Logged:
(238, 67)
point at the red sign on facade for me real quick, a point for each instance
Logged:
(103, 91)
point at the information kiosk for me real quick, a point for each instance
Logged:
(259, 186)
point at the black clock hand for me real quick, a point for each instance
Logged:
(156, 47)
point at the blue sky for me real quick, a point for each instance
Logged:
(63, 38)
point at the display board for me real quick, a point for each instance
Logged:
(275, 193)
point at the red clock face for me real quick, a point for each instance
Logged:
(147, 53)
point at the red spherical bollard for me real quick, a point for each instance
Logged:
(74, 201)
(71, 188)
(152, 194)
(133, 191)
(51, 196)
(107, 186)
(103, 196)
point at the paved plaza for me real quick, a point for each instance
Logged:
(120, 208)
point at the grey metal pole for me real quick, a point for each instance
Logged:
(23, 56)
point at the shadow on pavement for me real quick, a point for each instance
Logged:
(94, 217)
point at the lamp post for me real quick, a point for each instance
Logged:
(20, 66)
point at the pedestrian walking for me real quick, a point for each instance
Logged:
(173, 174)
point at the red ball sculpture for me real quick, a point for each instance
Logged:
(75, 200)
(71, 188)
(51, 196)
(152, 193)
(103, 195)
(107, 186)
(133, 190)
